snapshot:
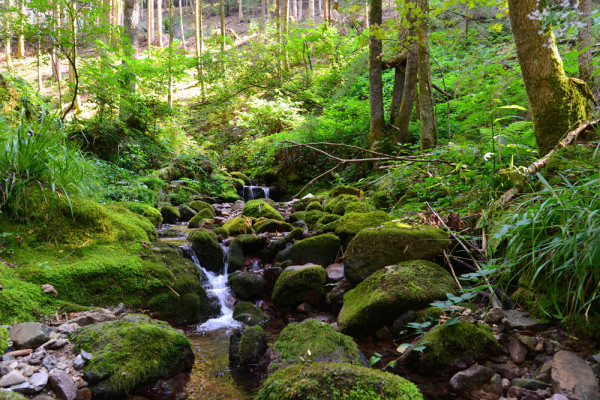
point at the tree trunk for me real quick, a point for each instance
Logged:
(73, 76)
(401, 121)
(199, 45)
(366, 17)
(586, 68)
(429, 129)
(131, 22)
(375, 82)
(222, 14)
(159, 23)
(240, 12)
(295, 10)
(38, 52)
(21, 36)
(263, 12)
(311, 11)
(286, 14)
(150, 22)
(300, 10)
(181, 26)
(557, 103)
(170, 95)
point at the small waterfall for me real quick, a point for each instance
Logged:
(255, 192)
(217, 285)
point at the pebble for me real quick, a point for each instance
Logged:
(517, 350)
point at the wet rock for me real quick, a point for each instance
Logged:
(63, 385)
(320, 250)
(305, 308)
(207, 249)
(272, 225)
(384, 334)
(520, 320)
(351, 223)
(249, 314)
(299, 283)
(505, 372)
(260, 208)
(12, 378)
(29, 335)
(401, 322)
(243, 246)
(494, 315)
(572, 377)
(517, 350)
(271, 274)
(473, 376)
(336, 295)
(335, 273)
(169, 213)
(248, 346)
(79, 363)
(93, 317)
(246, 285)
(186, 212)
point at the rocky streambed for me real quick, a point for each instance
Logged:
(295, 301)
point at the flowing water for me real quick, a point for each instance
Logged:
(255, 192)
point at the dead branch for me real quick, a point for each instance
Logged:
(394, 62)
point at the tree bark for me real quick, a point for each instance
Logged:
(375, 83)
(586, 69)
(286, 14)
(401, 121)
(181, 26)
(557, 103)
(170, 95)
(240, 12)
(131, 23)
(159, 23)
(222, 15)
(199, 45)
(150, 22)
(429, 129)
(263, 13)
(311, 11)
(21, 36)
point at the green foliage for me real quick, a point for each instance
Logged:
(266, 117)
(3, 340)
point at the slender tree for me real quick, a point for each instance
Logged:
(199, 45)
(311, 11)
(240, 12)
(222, 14)
(586, 69)
(159, 23)
(150, 22)
(375, 75)
(21, 36)
(170, 95)
(181, 25)
(429, 129)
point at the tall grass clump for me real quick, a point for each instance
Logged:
(554, 247)
(35, 155)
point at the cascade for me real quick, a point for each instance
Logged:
(255, 192)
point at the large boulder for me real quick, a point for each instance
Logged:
(299, 283)
(336, 381)
(199, 205)
(338, 205)
(249, 314)
(200, 217)
(246, 285)
(169, 214)
(237, 226)
(572, 377)
(208, 250)
(375, 248)
(129, 354)
(321, 249)
(272, 225)
(243, 246)
(391, 291)
(260, 209)
(352, 223)
(29, 335)
(312, 341)
(247, 346)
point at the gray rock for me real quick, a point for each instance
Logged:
(86, 356)
(120, 309)
(558, 396)
(517, 350)
(29, 335)
(572, 377)
(68, 328)
(545, 372)
(12, 378)
(21, 387)
(38, 381)
(93, 317)
(4, 370)
(531, 384)
(473, 376)
(43, 397)
(79, 363)
(596, 358)
(494, 315)
(57, 344)
(520, 320)
(63, 385)
(49, 362)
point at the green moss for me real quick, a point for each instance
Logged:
(573, 163)
(246, 285)
(336, 381)
(145, 210)
(315, 205)
(260, 209)
(375, 248)
(324, 342)
(133, 352)
(242, 176)
(429, 313)
(381, 199)
(299, 283)
(346, 190)
(169, 213)
(321, 249)
(3, 340)
(298, 216)
(248, 313)
(243, 246)
(301, 204)
(272, 225)
(358, 208)
(199, 205)
(352, 223)
(251, 336)
(220, 231)
(391, 291)
(237, 226)
(311, 217)
(445, 343)
(207, 248)
(337, 205)
(6, 395)
(200, 217)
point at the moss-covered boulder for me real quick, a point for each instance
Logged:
(129, 354)
(170, 214)
(242, 247)
(200, 217)
(247, 346)
(272, 225)
(260, 209)
(145, 210)
(346, 190)
(321, 249)
(311, 217)
(249, 314)
(241, 176)
(299, 283)
(186, 212)
(358, 208)
(246, 285)
(3, 340)
(6, 395)
(298, 216)
(336, 381)
(375, 248)
(272, 248)
(391, 291)
(337, 205)
(208, 250)
(351, 223)
(315, 205)
(445, 343)
(237, 226)
(301, 204)
(200, 205)
(313, 341)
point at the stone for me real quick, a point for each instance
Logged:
(299, 283)
(207, 249)
(336, 295)
(49, 362)
(49, 289)
(93, 317)
(321, 250)
(351, 223)
(494, 315)
(572, 377)
(68, 328)
(186, 212)
(84, 394)
(120, 309)
(79, 363)
(29, 335)
(12, 378)
(248, 313)
(383, 296)
(247, 346)
(545, 372)
(517, 350)
(86, 355)
(247, 285)
(335, 273)
(260, 208)
(63, 385)
(558, 396)
(596, 358)
(520, 320)
(57, 344)
(38, 381)
(505, 372)
(475, 375)
(531, 384)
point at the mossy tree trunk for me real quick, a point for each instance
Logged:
(375, 74)
(429, 129)
(558, 103)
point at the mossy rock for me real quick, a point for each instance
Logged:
(375, 248)
(260, 209)
(336, 381)
(272, 248)
(315, 205)
(221, 232)
(246, 347)
(346, 190)
(337, 205)
(445, 343)
(200, 217)
(3, 340)
(6, 395)
(243, 246)
(199, 205)
(145, 210)
(325, 222)
(298, 216)
(351, 223)
(208, 250)
(381, 199)
(170, 214)
(242, 176)
(324, 343)
(299, 283)
(131, 354)
(321, 249)
(311, 217)
(246, 285)
(358, 208)
(237, 226)
(301, 204)
(272, 225)
(391, 291)
(249, 314)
